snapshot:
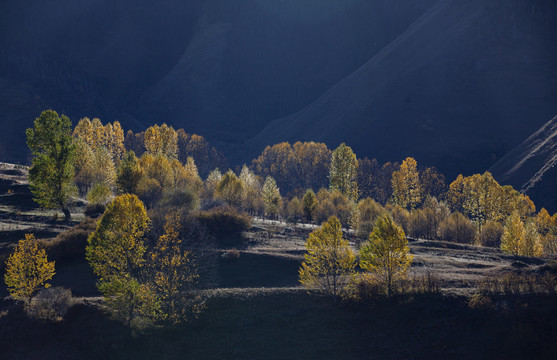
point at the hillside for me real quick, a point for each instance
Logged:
(531, 166)
(449, 82)
(462, 85)
(217, 68)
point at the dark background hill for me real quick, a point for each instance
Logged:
(532, 166)
(455, 83)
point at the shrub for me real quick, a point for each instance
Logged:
(183, 199)
(231, 254)
(224, 223)
(70, 244)
(94, 210)
(490, 235)
(51, 304)
(480, 302)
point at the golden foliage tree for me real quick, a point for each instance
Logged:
(161, 140)
(27, 269)
(386, 253)
(173, 274)
(329, 263)
(129, 174)
(115, 251)
(532, 244)
(514, 235)
(407, 191)
(230, 189)
(343, 172)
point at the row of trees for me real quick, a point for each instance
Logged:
(330, 263)
(320, 183)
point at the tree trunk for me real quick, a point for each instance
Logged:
(67, 214)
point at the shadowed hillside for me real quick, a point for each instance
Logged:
(462, 85)
(531, 166)
(217, 68)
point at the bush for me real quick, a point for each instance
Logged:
(51, 304)
(480, 302)
(224, 223)
(490, 235)
(183, 199)
(94, 210)
(231, 254)
(70, 244)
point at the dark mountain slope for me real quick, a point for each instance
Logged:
(532, 167)
(220, 68)
(453, 90)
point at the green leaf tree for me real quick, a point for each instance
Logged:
(386, 253)
(309, 202)
(27, 269)
(329, 263)
(343, 172)
(52, 172)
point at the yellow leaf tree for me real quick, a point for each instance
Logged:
(28, 269)
(161, 140)
(406, 185)
(329, 263)
(513, 235)
(173, 274)
(532, 244)
(343, 172)
(386, 253)
(115, 251)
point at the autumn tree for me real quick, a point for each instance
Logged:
(115, 251)
(197, 147)
(407, 191)
(364, 216)
(386, 254)
(532, 244)
(230, 189)
(212, 182)
(27, 269)
(84, 166)
(173, 274)
(191, 178)
(104, 170)
(129, 174)
(343, 172)
(135, 142)
(309, 202)
(270, 195)
(52, 172)
(432, 183)
(330, 262)
(457, 228)
(514, 235)
(161, 140)
(302, 165)
(251, 191)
